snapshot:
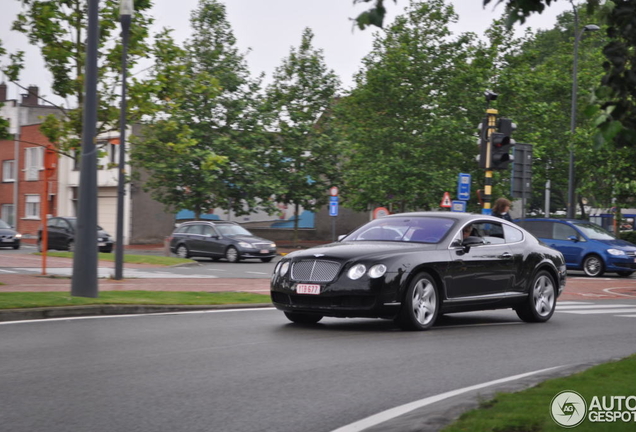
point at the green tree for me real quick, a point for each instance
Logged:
(207, 110)
(4, 123)
(304, 149)
(59, 28)
(410, 123)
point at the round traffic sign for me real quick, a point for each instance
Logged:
(333, 191)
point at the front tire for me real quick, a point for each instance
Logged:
(266, 260)
(301, 318)
(593, 266)
(15, 247)
(232, 255)
(421, 304)
(541, 301)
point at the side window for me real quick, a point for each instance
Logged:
(512, 234)
(182, 229)
(491, 232)
(52, 223)
(541, 229)
(196, 229)
(563, 231)
(208, 230)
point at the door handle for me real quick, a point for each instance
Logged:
(506, 255)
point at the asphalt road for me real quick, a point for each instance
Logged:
(254, 371)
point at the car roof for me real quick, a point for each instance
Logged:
(210, 222)
(573, 221)
(459, 216)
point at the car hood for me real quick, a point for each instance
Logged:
(621, 244)
(7, 231)
(360, 250)
(250, 239)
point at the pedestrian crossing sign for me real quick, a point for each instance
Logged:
(446, 200)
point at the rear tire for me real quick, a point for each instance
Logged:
(302, 318)
(421, 304)
(541, 301)
(593, 266)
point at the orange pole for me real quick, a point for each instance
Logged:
(44, 211)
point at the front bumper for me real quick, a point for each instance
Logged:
(620, 263)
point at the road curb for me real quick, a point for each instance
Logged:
(96, 310)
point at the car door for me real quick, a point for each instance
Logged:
(484, 269)
(569, 242)
(53, 233)
(211, 242)
(194, 239)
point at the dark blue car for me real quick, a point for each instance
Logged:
(585, 245)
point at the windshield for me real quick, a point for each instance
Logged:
(232, 230)
(3, 224)
(407, 229)
(595, 232)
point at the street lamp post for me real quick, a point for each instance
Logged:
(571, 213)
(126, 9)
(84, 280)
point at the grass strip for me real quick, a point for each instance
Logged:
(19, 300)
(131, 259)
(529, 410)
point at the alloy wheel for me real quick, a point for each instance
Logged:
(543, 295)
(424, 301)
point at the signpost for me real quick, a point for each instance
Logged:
(333, 210)
(446, 201)
(463, 187)
(459, 206)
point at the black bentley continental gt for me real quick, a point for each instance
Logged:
(413, 267)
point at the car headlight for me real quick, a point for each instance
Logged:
(273, 245)
(357, 271)
(284, 268)
(615, 252)
(377, 271)
(246, 245)
(18, 236)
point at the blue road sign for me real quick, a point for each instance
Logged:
(463, 187)
(333, 206)
(458, 206)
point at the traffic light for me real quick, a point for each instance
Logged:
(501, 143)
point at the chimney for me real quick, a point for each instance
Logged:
(3, 92)
(31, 98)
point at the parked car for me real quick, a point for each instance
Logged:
(413, 267)
(8, 236)
(61, 235)
(218, 240)
(585, 245)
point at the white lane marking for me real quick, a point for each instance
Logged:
(406, 408)
(597, 311)
(258, 273)
(593, 306)
(609, 291)
(136, 315)
(567, 303)
(627, 316)
(7, 271)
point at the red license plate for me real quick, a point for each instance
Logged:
(308, 289)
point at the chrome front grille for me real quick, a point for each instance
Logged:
(262, 245)
(631, 253)
(314, 271)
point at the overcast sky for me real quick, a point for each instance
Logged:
(269, 28)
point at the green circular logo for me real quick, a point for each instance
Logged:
(568, 409)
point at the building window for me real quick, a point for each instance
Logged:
(32, 210)
(8, 171)
(34, 162)
(7, 214)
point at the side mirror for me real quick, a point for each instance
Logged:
(341, 237)
(575, 239)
